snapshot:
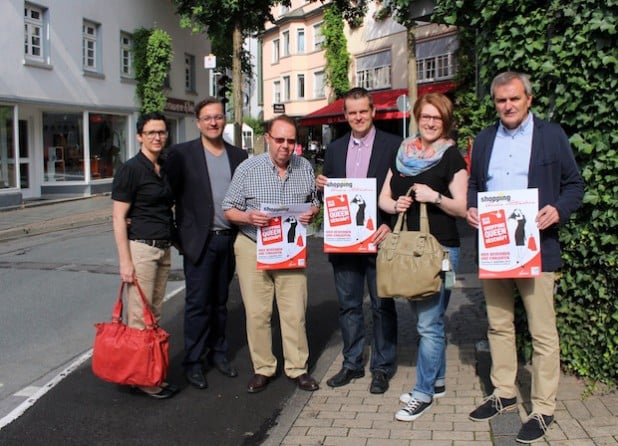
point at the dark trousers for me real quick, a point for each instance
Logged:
(207, 289)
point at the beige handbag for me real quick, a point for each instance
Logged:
(409, 263)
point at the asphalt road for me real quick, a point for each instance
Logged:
(60, 284)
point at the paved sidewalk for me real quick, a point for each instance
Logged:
(350, 415)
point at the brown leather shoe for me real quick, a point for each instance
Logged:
(257, 383)
(306, 382)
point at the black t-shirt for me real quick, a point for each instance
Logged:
(441, 225)
(150, 196)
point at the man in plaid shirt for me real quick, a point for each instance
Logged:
(278, 177)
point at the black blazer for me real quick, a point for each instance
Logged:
(385, 147)
(188, 176)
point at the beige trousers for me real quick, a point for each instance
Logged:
(538, 299)
(259, 289)
(152, 267)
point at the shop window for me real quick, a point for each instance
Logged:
(108, 144)
(63, 151)
(7, 148)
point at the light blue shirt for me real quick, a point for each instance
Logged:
(510, 157)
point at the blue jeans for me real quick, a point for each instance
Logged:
(351, 271)
(431, 357)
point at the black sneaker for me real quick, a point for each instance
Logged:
(534, 428)
(491, 407)
(412, 410)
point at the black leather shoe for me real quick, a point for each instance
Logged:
(196, 377)
(344, 377)
(379, 382)
(257, 383)
(224, 366)
(306, 382)
(171, 387)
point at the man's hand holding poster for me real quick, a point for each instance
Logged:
(282, 244)
(509, 244)
(350, 212)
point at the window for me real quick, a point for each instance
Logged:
(276, 92)
(318, 38)
(276, 51)
(108, 144)
(300, 86)
(189, 72)
(63, 152)
(374, 71)
(286, 43)
(90, 46)
(35, 33)
(435, 59)
(318, 85)
(7, 148)
(300, 41)
(126, 55)
(286, 88)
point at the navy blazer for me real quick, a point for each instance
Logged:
(188, 175)
(553, 171)
(384, 149)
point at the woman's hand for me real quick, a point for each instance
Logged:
(424, 193)
(403, 203)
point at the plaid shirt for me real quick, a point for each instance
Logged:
(257, 181)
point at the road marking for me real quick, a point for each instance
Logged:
(34, 393)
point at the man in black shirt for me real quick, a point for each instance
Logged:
(143, 196)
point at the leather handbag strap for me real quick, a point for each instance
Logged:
(402, 218)
(149, 319)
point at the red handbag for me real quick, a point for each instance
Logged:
(131, 356)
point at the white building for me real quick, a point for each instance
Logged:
(67, 94)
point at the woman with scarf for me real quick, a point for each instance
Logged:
(431, 164)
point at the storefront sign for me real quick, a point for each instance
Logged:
(179, 106)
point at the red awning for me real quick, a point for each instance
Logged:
(385, 103)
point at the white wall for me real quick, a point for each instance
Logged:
(65, 82)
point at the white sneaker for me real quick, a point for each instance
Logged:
(412, 410)
(438, 392)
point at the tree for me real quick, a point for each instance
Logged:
(221, 19)
(336, 53)
(569, 49)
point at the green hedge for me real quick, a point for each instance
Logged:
(569, 49)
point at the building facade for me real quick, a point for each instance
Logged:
(379, 63)
(67, 96)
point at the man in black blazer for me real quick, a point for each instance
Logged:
(364, 153)
(200, 172)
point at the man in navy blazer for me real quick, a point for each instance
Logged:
(364, 153)
(523, 151)
(200, 172)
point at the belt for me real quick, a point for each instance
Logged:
(160, 244)
(222, 232)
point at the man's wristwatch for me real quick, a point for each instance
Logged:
(439, 199)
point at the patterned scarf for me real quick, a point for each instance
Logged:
(413, 160)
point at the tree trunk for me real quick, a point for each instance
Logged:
(237, 82)
(412, 89)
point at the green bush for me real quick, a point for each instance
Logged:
(569, 49)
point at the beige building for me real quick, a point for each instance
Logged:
(293, 66)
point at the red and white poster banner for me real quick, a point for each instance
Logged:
(282, 244)
(350, 212)
(509, 243)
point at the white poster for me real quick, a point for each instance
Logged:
(350, 215)
(282, 244)
(509, 243)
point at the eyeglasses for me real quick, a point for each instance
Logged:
(427, 118)
(208, 118)
(290, 141)
(152, 134)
